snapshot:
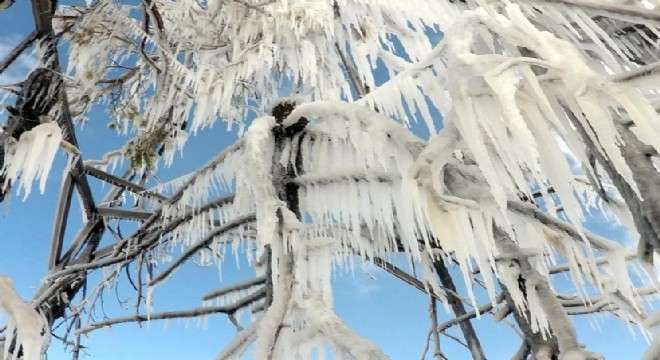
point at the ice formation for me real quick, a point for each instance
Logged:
(31, 158)
(26, 326)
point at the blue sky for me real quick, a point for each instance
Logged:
(372, 302)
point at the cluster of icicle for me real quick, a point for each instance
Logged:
(373, 203)
(26, 328)
(31, 157)
(221, 57)
(391, 191)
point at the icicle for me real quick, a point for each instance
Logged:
(33, 157)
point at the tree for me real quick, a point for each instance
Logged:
(549, 109)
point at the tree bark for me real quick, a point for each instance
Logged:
(471, 338)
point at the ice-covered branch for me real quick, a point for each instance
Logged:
(240, 343)
(26, 326)
(528, 210)
(145, 239)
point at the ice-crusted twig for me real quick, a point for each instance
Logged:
(531, 211)
(411, 280)
(458, 307)
(200, 311)
(259, 280)
(433, 313)
(331, 326)
(629, 255)
(538, 292)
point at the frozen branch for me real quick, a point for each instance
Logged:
(470, 335)
(259, 280)
(537, 290)
(115, 213)
(201, 311)
(610, 9)
(237, 347)
(629, 255)
(634, 74)
(124, 184)
(143, 241)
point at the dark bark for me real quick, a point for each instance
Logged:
(39, 95)
(471, 338)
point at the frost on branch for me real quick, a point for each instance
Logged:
(26, 329)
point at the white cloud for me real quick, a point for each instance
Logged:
(18, 70)
(22, 66)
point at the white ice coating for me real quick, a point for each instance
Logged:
(25, 323)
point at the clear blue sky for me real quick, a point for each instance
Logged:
(377, 306)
